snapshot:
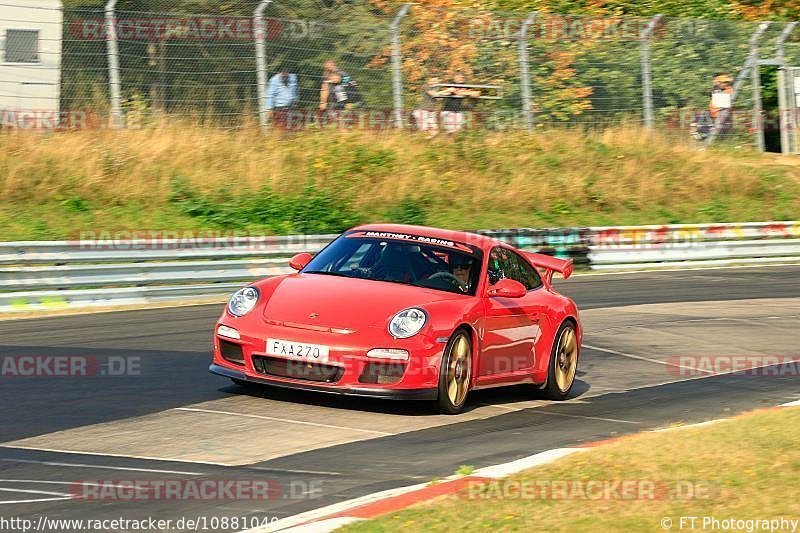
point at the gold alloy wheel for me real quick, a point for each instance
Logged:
(566, 359)
(459, 370)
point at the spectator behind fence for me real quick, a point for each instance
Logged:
(458, 101)
(426, 117)
(329, 70)
(721, 100)
(721, 94)
(339, 91)
(282, 92)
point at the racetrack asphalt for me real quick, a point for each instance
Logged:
(174, 421)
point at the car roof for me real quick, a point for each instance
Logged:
(464, 237)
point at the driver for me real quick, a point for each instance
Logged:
(461, 268)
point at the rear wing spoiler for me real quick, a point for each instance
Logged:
(550, 264)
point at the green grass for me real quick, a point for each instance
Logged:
(747, 467)
(186, 177)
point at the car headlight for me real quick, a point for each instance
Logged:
(407, 323)
(243, 301)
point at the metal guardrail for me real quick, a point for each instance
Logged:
(109, 250)
(89, 273)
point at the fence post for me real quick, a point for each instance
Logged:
(780, 54)
(259, 35)
(758, 111)
(786, 119)
(397, 67)
(647, 73)
(525, 71)
(752, 57)
(112, 51)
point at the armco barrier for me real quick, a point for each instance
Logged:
(94, 273)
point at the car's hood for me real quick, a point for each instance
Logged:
(325, 301)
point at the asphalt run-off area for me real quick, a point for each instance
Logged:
(657, 350)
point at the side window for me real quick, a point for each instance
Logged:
(524, 272)
(497, 265)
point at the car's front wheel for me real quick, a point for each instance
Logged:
(455, 373)
(563, 363)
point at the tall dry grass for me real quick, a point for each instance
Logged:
(126, 178)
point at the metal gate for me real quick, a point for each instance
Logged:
(789, 107)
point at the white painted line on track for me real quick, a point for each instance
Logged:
(585, 417)
(650, 325)
(588, 417)
(303, 522)
(795, 403)
(30, 491)
(101, 467)
(690, 426)
(513, 467)
(292, 471)
(275, 419)
(38, 500)
(677, 269)
(306, 517)
(324, 526)
(649, 360)
(39, 481)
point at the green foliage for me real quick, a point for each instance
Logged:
(75, 204)
(408, 211)
(311, 211)
(465, 470)
(714, 211)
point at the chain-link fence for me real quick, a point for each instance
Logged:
(370, 63)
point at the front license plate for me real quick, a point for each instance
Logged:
(297, 350)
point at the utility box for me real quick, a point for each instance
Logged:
(30, 62)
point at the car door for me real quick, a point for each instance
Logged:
(532, 303)
(511, 325)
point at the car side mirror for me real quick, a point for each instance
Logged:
(507, 288)
(299, 261)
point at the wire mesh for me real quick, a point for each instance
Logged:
(199, 59)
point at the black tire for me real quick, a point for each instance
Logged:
(563, 365)
(455, 373)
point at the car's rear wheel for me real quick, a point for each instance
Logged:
(563, 363)
(455, 373)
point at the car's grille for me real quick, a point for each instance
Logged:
(382, 373)
(287, 368)
(231, 352)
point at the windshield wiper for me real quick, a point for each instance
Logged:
(327, 273)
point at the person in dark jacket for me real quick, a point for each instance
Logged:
(458, 101)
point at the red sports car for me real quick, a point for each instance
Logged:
(411, 312)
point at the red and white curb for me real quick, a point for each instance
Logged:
(334, 516)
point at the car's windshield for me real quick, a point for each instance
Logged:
(410, 259)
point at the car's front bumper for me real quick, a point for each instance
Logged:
(346, 370)
(391, 394)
